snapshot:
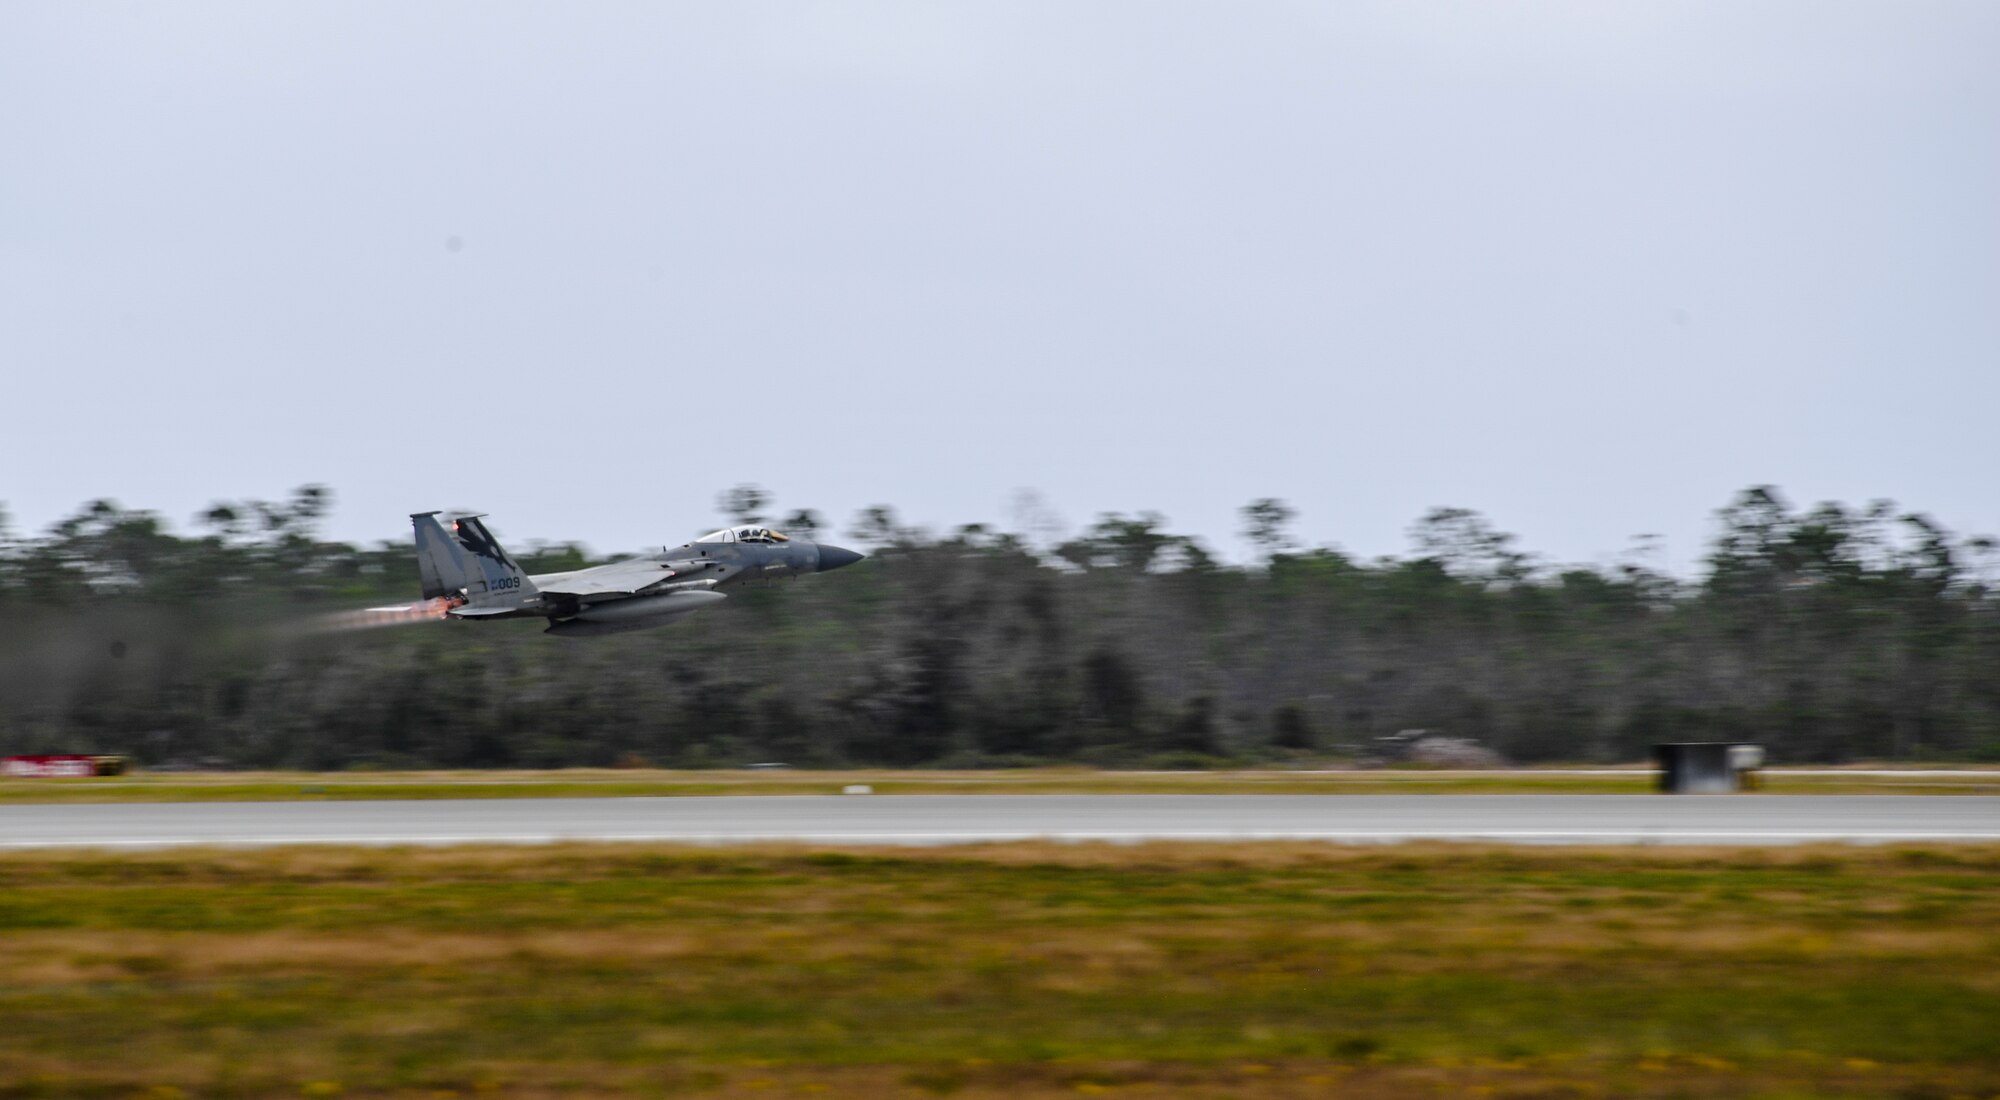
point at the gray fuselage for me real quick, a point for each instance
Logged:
(472, 577)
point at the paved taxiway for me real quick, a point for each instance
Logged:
(918, 819)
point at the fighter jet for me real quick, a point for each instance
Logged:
(467, 575)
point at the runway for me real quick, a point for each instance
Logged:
(962, 819)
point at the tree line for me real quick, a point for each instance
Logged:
(1826, 633)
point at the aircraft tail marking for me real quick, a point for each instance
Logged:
(462, 558)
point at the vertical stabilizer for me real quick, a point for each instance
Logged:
(436, 564)
(461, 557)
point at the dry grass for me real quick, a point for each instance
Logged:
(1033, 969)
(585, 782)
(1664, 1078)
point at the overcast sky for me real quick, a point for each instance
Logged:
(1587, 268)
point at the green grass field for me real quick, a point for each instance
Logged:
(1012, 970)
(265, 786)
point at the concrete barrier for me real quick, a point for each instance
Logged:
(1705, 767)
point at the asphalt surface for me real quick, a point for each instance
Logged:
(925, 820)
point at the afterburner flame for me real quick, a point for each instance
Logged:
(368, 618)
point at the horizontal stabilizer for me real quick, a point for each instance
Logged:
(480, 612)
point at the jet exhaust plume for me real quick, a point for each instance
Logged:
(369, 618)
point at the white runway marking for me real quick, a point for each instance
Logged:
(915, 839)
(968, 819)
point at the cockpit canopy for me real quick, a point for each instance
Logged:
(745, 534)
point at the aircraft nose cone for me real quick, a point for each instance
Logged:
(833, 557)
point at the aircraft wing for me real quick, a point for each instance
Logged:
(619, 578)
(627, 578)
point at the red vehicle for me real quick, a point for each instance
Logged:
(57, 767)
